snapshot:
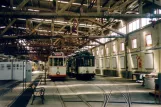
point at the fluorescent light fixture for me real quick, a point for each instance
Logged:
(3, 6)
(42, 30)
(33, 10)
(14, 7)
(58, 32)
(22, 28)
(1, 27)
(21, 19)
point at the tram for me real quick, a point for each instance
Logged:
(57, 65)
(81, 65)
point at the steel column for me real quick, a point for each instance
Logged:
(98, 6)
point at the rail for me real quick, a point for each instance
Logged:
(78, 96)
(60, 97)
(126, 97)
(107, 97)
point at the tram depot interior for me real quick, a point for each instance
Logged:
(119, 39)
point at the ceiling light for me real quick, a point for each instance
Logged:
(3, 6)
(33, 10)
(1, 27)
(21, 19)
(14, 7)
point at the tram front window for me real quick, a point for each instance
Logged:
(89, 62)
(58, 61)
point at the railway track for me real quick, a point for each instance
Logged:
(126, 95)
(60, 97)
(107, 96)
(83, 100)
(71, 89)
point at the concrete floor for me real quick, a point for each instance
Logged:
(11, 96)
(100, 92)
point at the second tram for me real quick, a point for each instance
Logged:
(81, 66)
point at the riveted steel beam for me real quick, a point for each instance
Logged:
(21, 5)
(36, 27)
(50, 15)
(56, 36)
(114, 30)
(66, 6)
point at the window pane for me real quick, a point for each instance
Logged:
(134, 26)
(124, 29)
(134, 43)
(137, 24)
(106, 51)
(101, 62)
(148, 40)
(159, 11)
(130, 27)
(143, 21)
(102, 52)
(97, 63)
(114, 47)
(122, 47)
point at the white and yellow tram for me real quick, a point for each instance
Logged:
(57, 65)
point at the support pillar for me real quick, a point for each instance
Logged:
(126, 56)
(98, 6)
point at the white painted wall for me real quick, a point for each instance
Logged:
(140, 51)
(18, 71)
(5, 72)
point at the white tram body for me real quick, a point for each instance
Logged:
(86, 70)
(57, 65)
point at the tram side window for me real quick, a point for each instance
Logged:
(50, 62)
(89, 62)
(86, 62)
(81, 62)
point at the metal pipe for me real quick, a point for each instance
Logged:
(49, 15)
